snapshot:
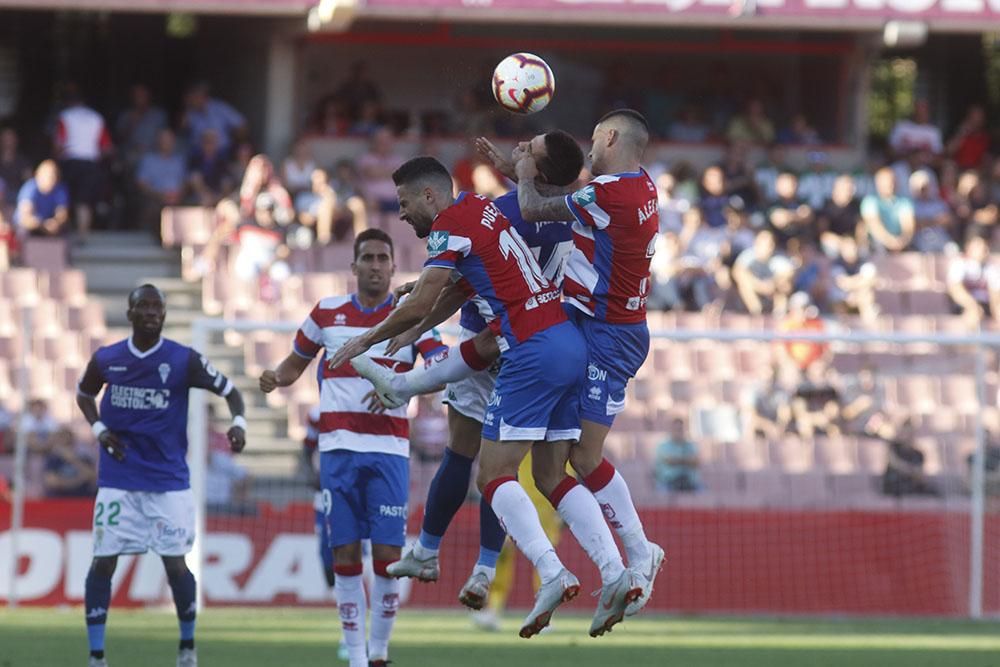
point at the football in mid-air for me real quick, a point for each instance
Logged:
(523, 83)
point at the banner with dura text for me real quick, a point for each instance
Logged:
(718, 561)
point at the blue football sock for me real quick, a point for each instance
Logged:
(97, 601)
(185, 591)
(491, 535)
(446, 495)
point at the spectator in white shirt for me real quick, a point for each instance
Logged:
(973, 283)
(297, 169)
(915, 134)
(82, 139)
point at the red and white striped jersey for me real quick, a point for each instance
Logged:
(344, 420)
(82, 134)
(607, 275)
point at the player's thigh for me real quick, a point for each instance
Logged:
(615, 353)
(119, 526)
(533, 380)
(464, 431)
(386, 491)
(171, 519)
(343, 497)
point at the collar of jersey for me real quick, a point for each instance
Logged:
(460, 197)
(142, 355)
(357, 304)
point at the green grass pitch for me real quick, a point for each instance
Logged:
(292, 637)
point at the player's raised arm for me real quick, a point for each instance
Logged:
(203, 375)
(452, 298)
(421, 301)
(534, 206)
(86, 399)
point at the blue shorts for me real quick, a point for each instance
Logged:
(323, 533)
(536, 396)
(615, 352)
(364, 496)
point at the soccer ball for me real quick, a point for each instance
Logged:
(523, 83)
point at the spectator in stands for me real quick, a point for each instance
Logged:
(10, 246)
(138, 128)
(904, 474)
(888, 218)
(799, 132)
(766, 173)
(714, 198)
(816, 403)
(975, 211)
(227, 482)
(788, 217)
(15, 169)
(840, 216)
(991, 467)
(689, 127)
(677, 461)
(39, 426)
(853, 282)
(82, 140)
(916, 134)
(994, 185)
(331, 118)
(161, 178)
(812, 272)
(763, 278)
(202, 112)
(298, 169)
(752, 126)
(210, 178)
(864, 404)
(971, 142)
(803, 317)
(673, 209)
(974, 283)
(665, 269)
(315, 207)
(370, 120)
(816, 184)
(695, 272)
(67, 474)
(932, 217)
(259, 178)
(768, 405)
(357, 89)
(376, 167)
(43, 203)
(740, 181)
(351, 212)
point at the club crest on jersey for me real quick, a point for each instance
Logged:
(437, 243)
(164, 372)
(585, 196)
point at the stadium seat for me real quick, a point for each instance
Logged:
(853, 486)
(927, 302)
(769, 486)
(838, 454)
(20, 285)
(186, 225)
(791, 453)
(721, 480)
(68, 287)
(809, 488)
(44, 254)
(873, 455)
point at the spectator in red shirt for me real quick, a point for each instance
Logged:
(971, 141)
(15, 168)
(82, 139)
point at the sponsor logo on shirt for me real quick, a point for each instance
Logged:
(594, 373)
(585, 196)
(117, 368)
(139, 398)
(166, 530)
(392, 510)
(437, 243)
(595, 393)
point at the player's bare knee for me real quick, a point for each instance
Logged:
(386, 552)
(584, 462)
(347, 554)
(104, 566)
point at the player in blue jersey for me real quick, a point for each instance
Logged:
(560, 162)
(144, 498)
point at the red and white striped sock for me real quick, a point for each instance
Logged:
(582, 514)
(452, 365)
(385, 603)
(611, 491)
(351, 604)
(520, 519)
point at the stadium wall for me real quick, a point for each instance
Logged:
(901, 562)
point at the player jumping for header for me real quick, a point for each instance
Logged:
(144, 498)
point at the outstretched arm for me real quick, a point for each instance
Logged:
(286, 373)
(535, 207)
(421, 301)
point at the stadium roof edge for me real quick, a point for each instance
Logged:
(277, 8)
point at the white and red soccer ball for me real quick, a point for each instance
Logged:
(523, 83)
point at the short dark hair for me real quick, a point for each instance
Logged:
(420, 168)
(630, 114)
(373, 234)
(563, 158)
(134, 294)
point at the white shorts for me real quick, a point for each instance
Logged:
(469, 396)
(132, 522)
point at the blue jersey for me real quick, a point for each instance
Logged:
(145, 405)
(550, 242)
